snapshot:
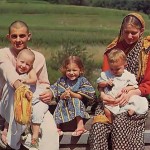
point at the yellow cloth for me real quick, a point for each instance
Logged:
(115, 41)
(100, 118)
(22, 106)
(139, 17)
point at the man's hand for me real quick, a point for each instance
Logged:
(46, 96)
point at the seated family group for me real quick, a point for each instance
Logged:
(123, 86)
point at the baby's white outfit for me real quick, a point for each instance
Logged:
(137, 103)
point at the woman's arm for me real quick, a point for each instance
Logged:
(144, 86)
(124, 97)
(105, 65)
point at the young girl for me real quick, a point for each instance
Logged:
(116, 81)
(72, 90)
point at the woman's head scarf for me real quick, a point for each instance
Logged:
(134, 51)
(137, 16)
(118, 39)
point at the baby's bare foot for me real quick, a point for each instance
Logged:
(131, 112)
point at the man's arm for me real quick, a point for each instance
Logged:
(9, 73)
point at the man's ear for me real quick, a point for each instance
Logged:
(29, 36)
(8, 36)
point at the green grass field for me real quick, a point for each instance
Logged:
(53, 25)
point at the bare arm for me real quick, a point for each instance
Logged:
(75, 95)
(32, 77)
(127, 89)
(104, 84)
(68, 93)
(124, 97)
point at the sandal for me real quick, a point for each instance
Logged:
(79, 132)
(60, 132)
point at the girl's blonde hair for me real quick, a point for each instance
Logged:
(69, 60)
(116, 55)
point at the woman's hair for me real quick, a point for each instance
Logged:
(132, 20)
(69, 60)
(116, 55)
(18, 24)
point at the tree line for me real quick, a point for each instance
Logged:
(133, 5)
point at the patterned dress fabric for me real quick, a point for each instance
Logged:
(121, 132)
(67, 110)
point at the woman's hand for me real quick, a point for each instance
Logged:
(46, 96)
(124, 97)
(110, 82)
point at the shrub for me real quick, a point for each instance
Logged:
(69, 49)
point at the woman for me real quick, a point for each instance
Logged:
(126, 131)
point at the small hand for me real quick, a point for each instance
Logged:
(110, 82)
(65, 95)
(28, 95)
(23, 81)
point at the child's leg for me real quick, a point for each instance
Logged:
(35, 130)
(35, 136)
(38, 112)
(108, 114)
(60, 132)
(80, 124)
(80, 127)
